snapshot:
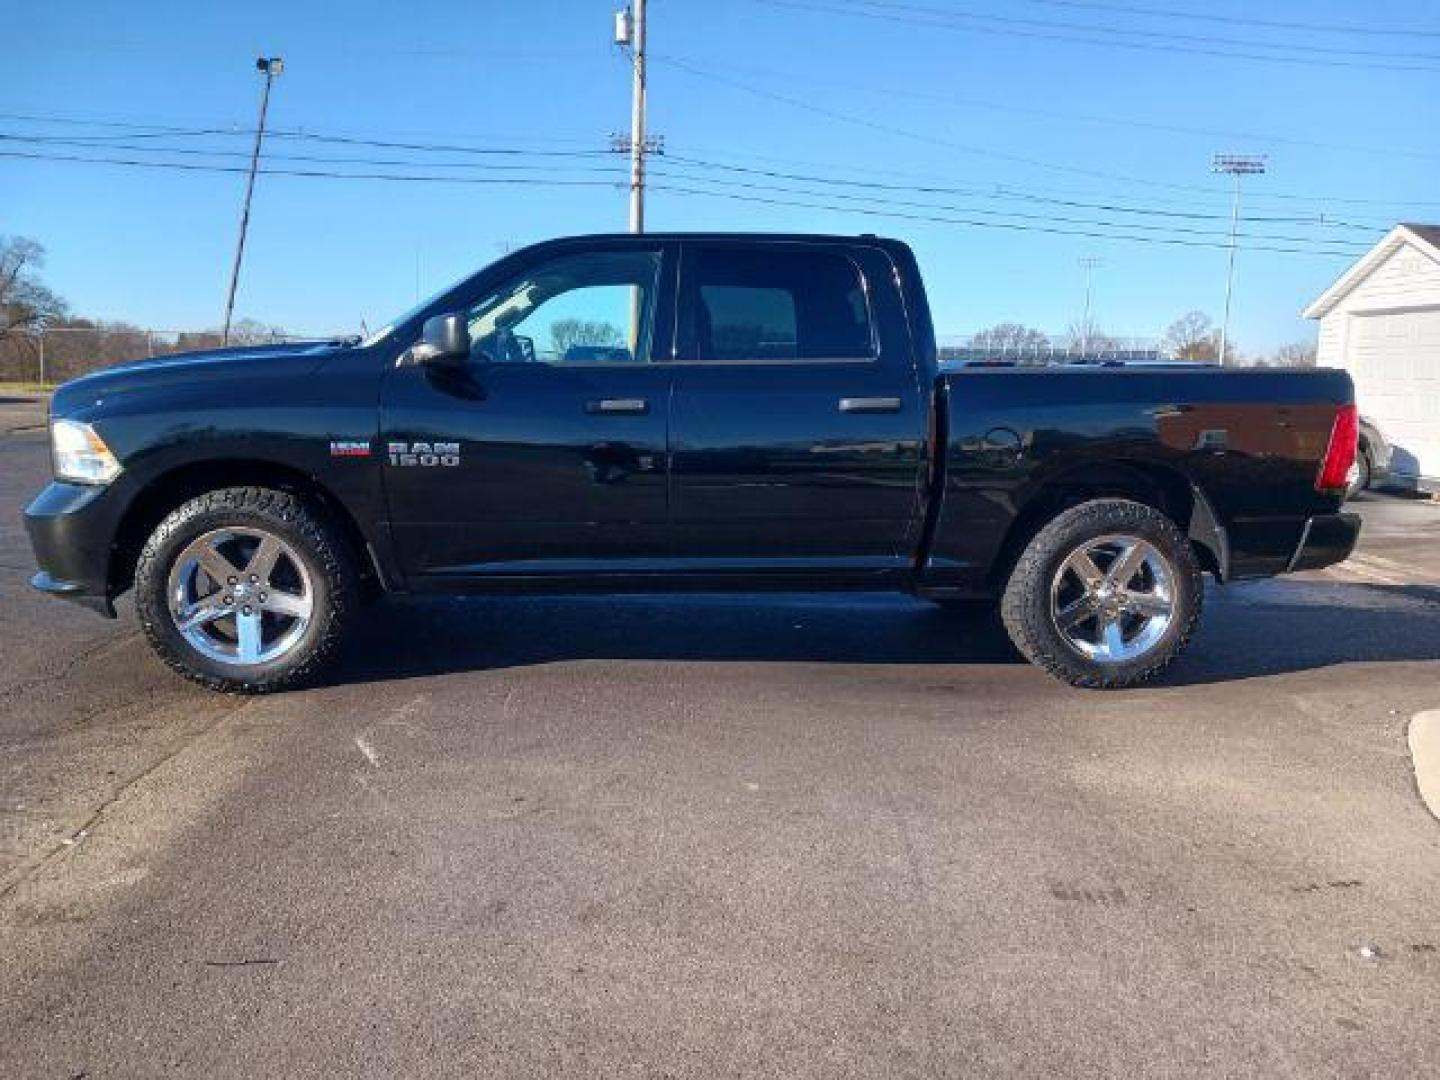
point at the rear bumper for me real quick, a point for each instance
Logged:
(71, 528)
(1326, 539)
(1263, 547)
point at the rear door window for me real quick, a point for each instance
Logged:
(775, 305)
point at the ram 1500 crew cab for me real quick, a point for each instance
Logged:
(672, 413)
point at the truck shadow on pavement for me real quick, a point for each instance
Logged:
(1254, 630)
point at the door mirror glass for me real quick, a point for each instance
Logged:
(444, 339)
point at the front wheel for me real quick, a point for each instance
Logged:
(1105, 595)
(245, 589)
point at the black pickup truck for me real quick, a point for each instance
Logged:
(674, 412)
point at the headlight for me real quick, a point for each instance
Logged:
(80, 455)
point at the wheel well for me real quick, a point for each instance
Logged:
(176, 487)
(1160, 486)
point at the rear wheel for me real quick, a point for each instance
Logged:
(245, 589)
(1106, 595)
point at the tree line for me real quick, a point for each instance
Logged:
(34, 317)
(1193, 337)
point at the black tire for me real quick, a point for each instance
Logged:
(333, 582)
(1026, 606)
(1364, 472)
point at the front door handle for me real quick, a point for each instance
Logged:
(869, 404)
(617, 406)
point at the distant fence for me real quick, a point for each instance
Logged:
(964, 349)
(56, 353)
(65, 352)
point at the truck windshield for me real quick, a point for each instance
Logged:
(389, 328)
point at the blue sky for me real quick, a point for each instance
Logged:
(1026, 117)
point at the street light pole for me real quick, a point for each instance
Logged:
(269, 67)
(1236, 165)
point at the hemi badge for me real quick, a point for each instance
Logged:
(349, 448)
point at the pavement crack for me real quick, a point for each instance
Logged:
(29, 868)
(68, 668)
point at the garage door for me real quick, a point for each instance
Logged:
(1394, 359)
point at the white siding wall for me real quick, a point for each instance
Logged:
(1330, 349)
(1386, 333)
(1409, 278)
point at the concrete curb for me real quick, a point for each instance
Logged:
(1424, 740)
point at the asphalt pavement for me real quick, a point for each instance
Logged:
(725, 836)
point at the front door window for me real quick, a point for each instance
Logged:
(589, 308)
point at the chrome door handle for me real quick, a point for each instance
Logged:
(869, 404)
(618, 406)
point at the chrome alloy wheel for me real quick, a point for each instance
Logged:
(1113, 598)
(240, 596)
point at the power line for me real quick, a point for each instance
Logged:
(232, 129)
(992, 24)
(311, 173)
(1017, 215)
(935, 140)
(1000, 192)
(192, 151)
(1166, 36)
(1237, 20)
(1078, 204)
(904, 133)
(684, 161)
(694, 68)
(1007, 191)
(1040, 226)
(954, 101)
(887, 198)
(905, 216)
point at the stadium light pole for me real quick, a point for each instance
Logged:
(1089, 263)
(269, 66)
(1236, 165)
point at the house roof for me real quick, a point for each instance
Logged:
(1429, 233)
(1424, 238)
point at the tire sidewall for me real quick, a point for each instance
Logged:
(1027, 604)
(215, 512)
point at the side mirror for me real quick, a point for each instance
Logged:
(444, 339)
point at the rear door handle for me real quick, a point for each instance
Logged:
(617, 406)
(869, 404)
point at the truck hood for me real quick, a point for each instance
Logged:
(266, 361)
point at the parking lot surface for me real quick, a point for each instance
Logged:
(698, 836)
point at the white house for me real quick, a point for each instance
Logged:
(1381, 322)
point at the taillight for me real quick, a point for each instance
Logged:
(1340, 454)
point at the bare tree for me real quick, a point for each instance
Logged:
(1085, 336)
(565, 333)
(255, 332)
(1194, 337)
(1298, 354)
(26, 303)
(1013, 339)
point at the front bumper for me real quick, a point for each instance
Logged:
(72, 528)
(76, 591)
(1326, 539)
